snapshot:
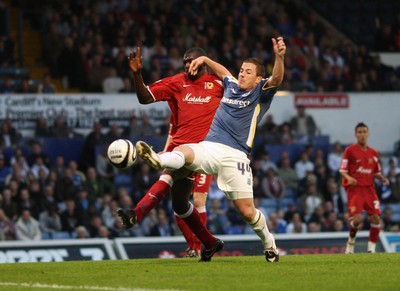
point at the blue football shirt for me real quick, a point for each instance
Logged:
(238, 114)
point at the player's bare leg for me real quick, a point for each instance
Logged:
(256, 220)
(354, 226)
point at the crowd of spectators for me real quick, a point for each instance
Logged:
(86, 43)
(43, 198)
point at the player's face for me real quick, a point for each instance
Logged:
(187, 60)
(248, 78)
(362, 135)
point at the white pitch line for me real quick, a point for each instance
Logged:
(71, 287)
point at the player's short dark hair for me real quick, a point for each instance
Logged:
(260, 70)
(197, 51)
(360, 124)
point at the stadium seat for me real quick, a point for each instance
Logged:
(61, 235)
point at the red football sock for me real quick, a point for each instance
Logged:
(196, 241)
(186, 232)
(153, 197)
(199, 229)
(374, 232)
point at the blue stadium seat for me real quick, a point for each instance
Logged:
(61, 235)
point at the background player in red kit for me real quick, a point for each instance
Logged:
(360, 165)
(193, 100)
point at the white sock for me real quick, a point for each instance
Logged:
(167, 179)
(259, 225)
(371, 247)
(172, 160)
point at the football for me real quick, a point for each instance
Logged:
(121, 153)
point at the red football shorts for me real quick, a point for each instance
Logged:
(360, 198)
(202, 182)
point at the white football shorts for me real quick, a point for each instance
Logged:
(231, 166)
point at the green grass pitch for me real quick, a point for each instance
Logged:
(379, 271)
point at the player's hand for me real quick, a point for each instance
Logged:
(136, 60)
(386, 181)
(279, 46)
(194, 66)
(352, 181)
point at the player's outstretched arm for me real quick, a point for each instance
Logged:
(278, 70)
(218, 69)
(136, 64)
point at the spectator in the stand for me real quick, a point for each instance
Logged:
(103, 167)
(147, 128)
(7, 227)
(86, 206)
(303, 165)
(311, 198)
(387, 220)
(59, 165)
(113, 133)
(133, 130)
(266, 163)
(48, 198)
(52, 44)
(276, 223)
(27, 227)
(97, 73)
(9, 205)
(288, 176)
(97, 186)
(337, 198)
(285, 134)
(8, 86)
(4, 172)
(25, 86)
(38, 166)
(47, 86)
(273, 185)
(269, 131)
(65, 187)
(81, 232)
(9, 136)
(143, 180)
(49, 220)
(216, 220)
(42, 129)
(163, 227)
(26, 202)
(334, 159)
(395, 187)
(296, 225)
(60, 128)
(78, 177)
(385, 38)
(112, 83)
(88, 152)
(68, 63)
(37, 151)
(70, 217)
(302, 124)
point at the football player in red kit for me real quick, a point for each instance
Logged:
(359, 167)
(193, 100)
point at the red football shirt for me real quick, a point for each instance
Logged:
(361, 164)
(192, 103)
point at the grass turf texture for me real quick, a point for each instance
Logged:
(308, 272)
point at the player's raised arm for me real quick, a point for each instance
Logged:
(217, 68)
(136, 64)
(279, 65)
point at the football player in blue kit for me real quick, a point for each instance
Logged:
(225, 150)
